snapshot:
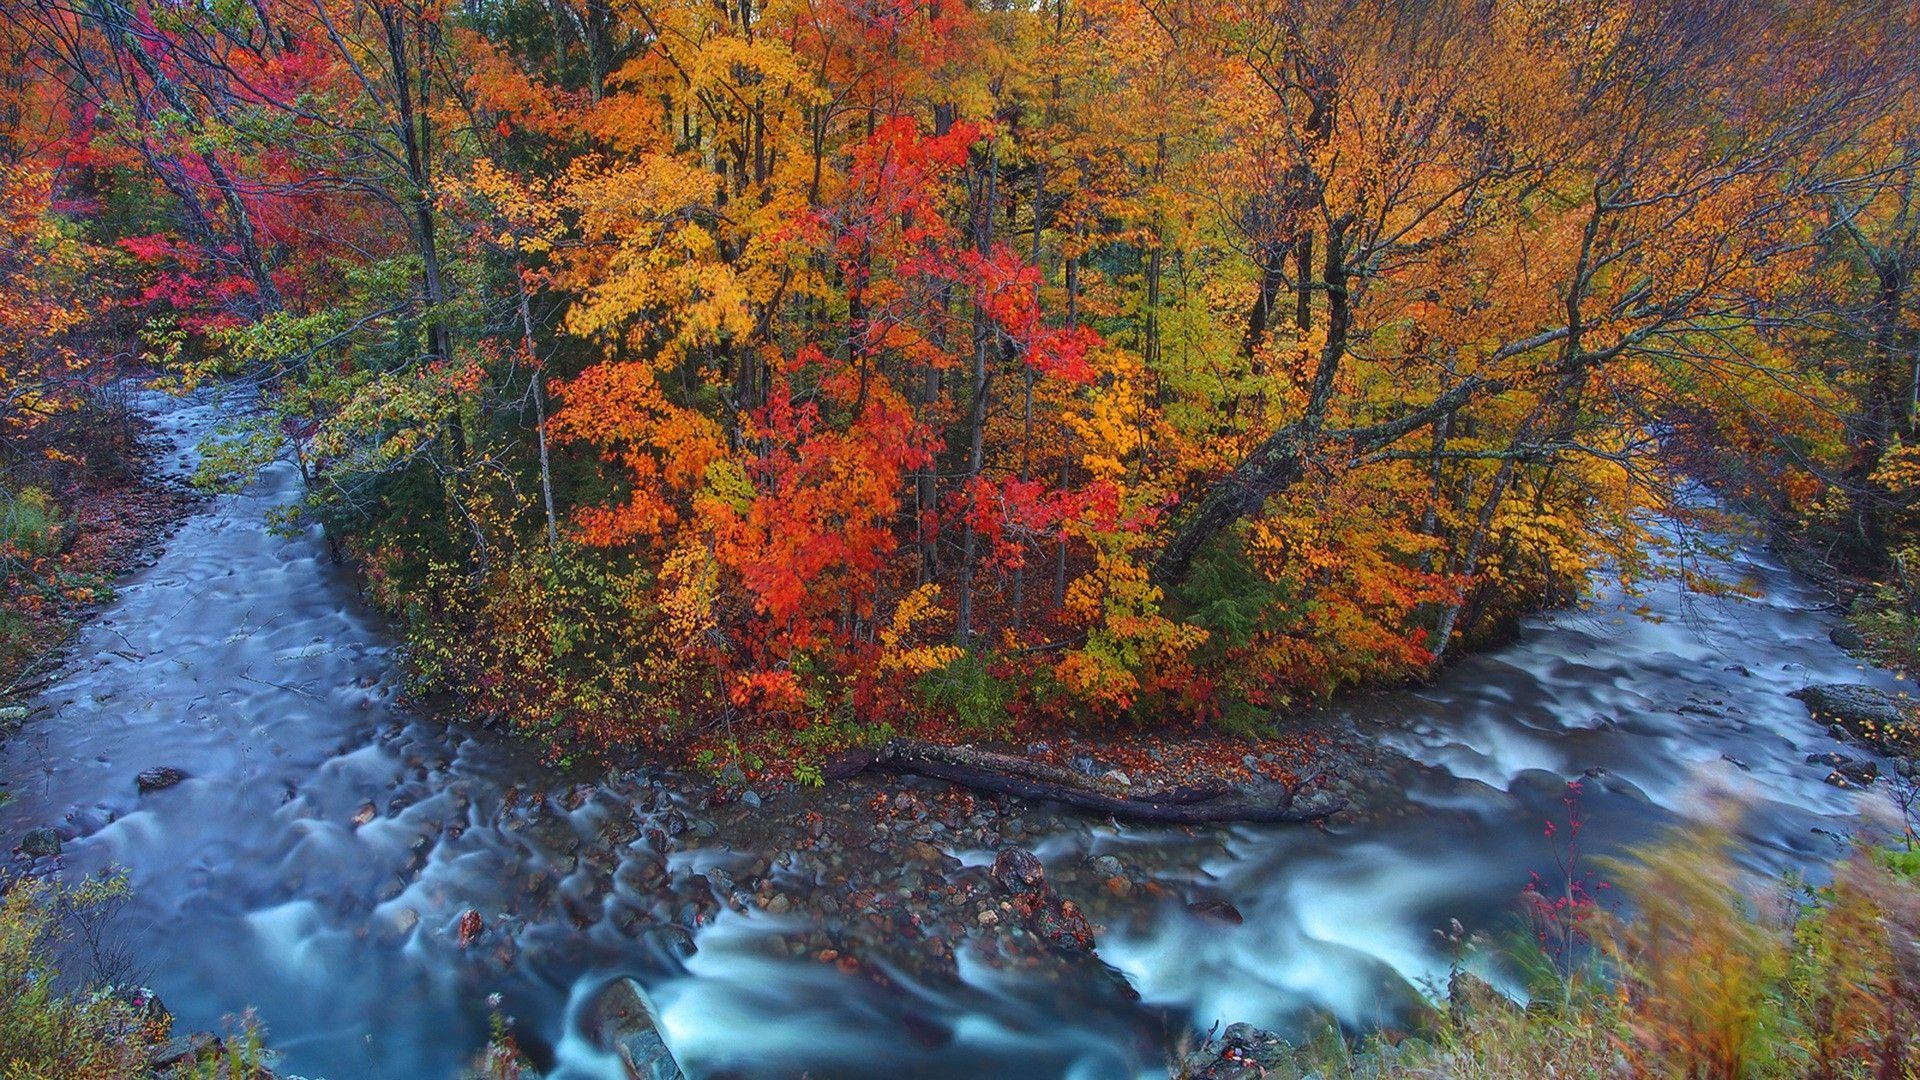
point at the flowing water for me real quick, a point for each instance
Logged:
(316, 862)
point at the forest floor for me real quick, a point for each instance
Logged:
(112, 525)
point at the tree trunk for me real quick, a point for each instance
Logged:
(1008, 774)
(983, 336)
(539, 411)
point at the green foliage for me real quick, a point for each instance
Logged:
(1888, 619)
(1230, 600)
(235, 453)
(241, 1055)
(30, 523)
(967, 691)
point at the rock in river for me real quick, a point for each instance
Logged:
(1216, 910)
(1871, 715)
(40, 842)
(1019, 870)
(621, 1019)
(159, 778)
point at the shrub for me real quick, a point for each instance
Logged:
(48, 1034)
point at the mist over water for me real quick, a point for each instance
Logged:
(315, 863)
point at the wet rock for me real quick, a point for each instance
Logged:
(159, 778)
(1847, 638)
(1853, 773)
(1019, 870)
(1240, 1053)
(181, 1054)
(1469, 994)
(1064, 927)
(1106, 866)
(673, 823)
(1215, 909)
(470, 927)
(40, 843)
(621, 1019)
(922, 852)
(1115, 776)
(1872, 715)
(146, 1004)
(366, 813)
(642, 874)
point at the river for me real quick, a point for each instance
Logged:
(317, 860)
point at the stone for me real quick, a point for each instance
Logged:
(1864, 712)
(1469, 994)
(39, 843)
(146, 1003)
(1019, 870)
(404, 920)
(1215, 909)
(185, 1052)
(621, 1019)
(159, 778)
(1846, 771)
(469, 927)
(1846, 637)
(1064, 927)
(1242, 1052)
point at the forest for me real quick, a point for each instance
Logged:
(785, 388)
(763, 378)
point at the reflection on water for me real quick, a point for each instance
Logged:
(317, 860)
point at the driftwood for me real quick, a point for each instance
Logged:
(1007, 774)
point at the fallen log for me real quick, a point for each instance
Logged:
(1008, 774)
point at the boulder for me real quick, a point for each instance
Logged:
(1865, 712)
(183, 1053)
(1853, 772)
(1019, 870)
(1242, 1052)
(40, 842)
(1217, 910)
(621, 1019)
(1846, 637)
(1469, 994)
(1063, 926)
(147, 1004)
(159, 778)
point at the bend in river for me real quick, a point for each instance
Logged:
(319, 857)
